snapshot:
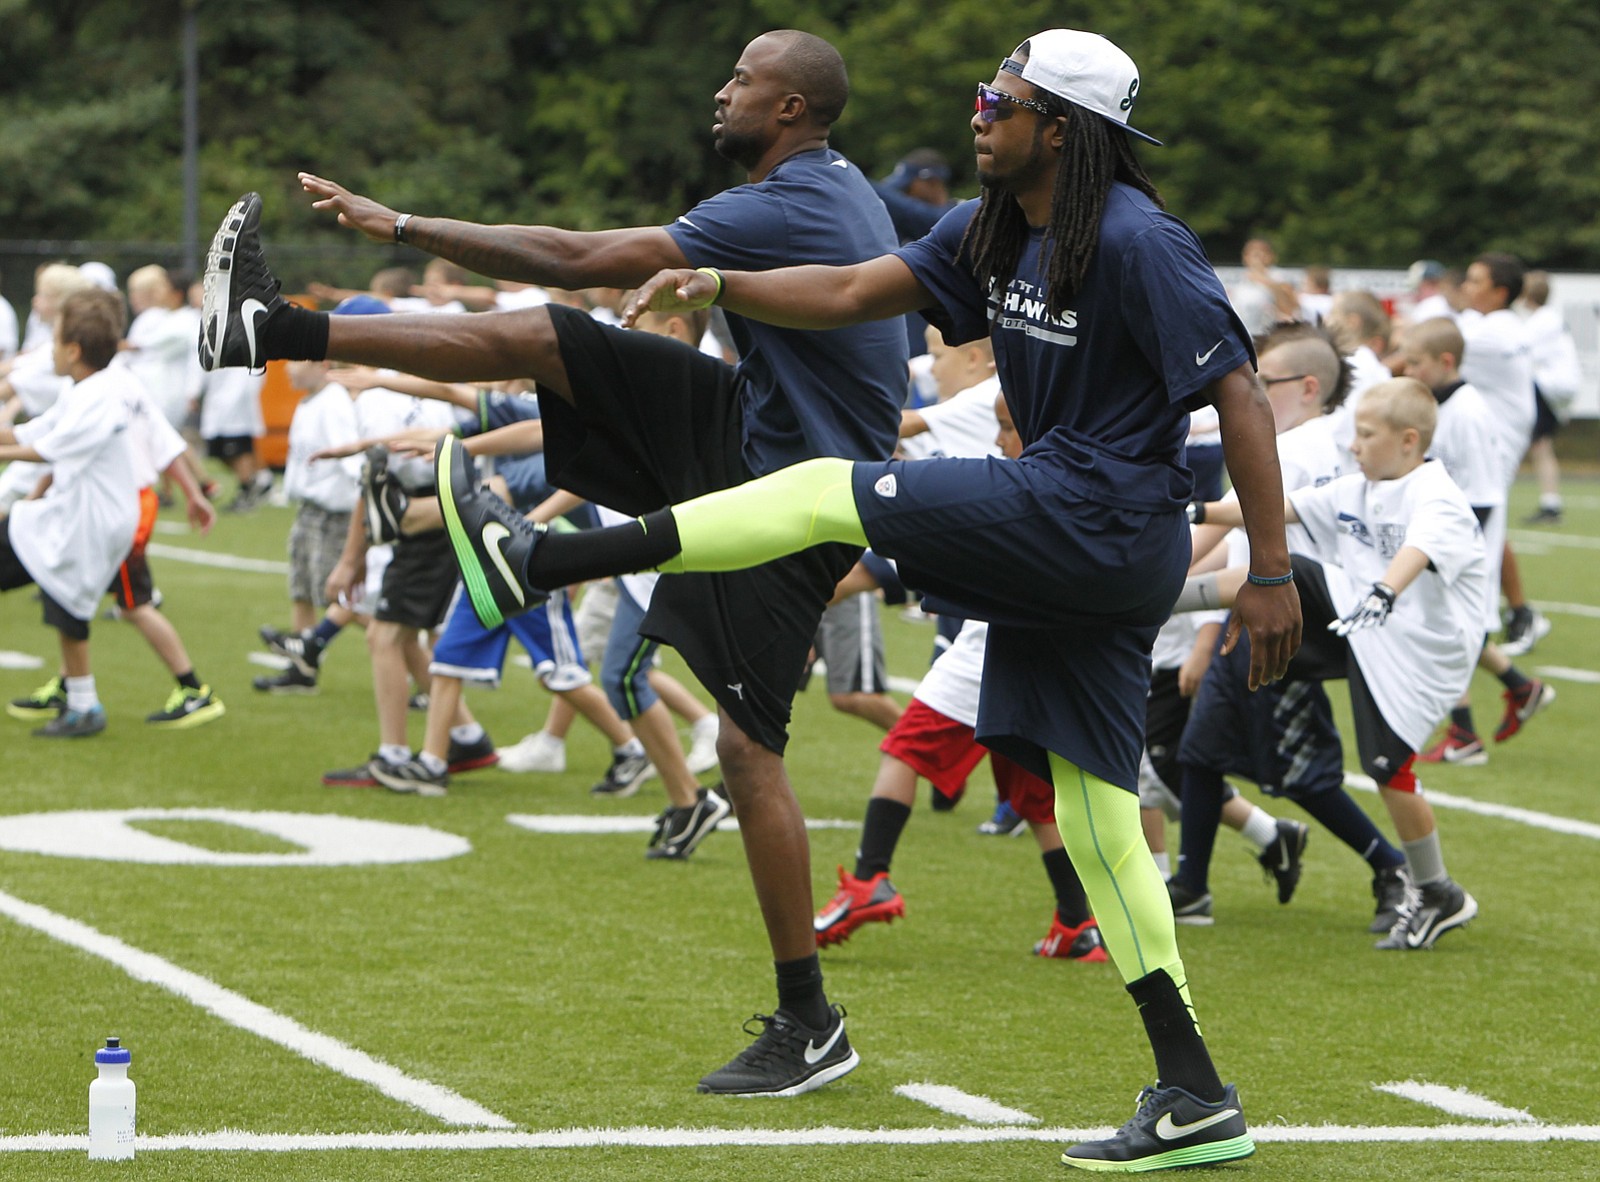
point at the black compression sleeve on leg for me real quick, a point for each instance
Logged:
(1181, 1056)
(559, 560)
(294, 333)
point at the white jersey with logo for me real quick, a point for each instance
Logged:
(962, 425)
(72, 539)
(381, 411)
(951, 685)
(1420, 660)
(1308, 456)
(322, 420)
(1496, 360)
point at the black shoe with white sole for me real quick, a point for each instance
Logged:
(682, 829)
(1440, 907)
(383, 501)
(491, 540)
(239, 291)
(1170, 1128)
(786, 1059)
(1281, 859)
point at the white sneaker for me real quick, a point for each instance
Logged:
(703, 751)
(537, 752)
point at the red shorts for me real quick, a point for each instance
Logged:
(944, 752)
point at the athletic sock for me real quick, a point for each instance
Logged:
(294, 333)
(189, 680)
(1072, 905)
(81, 695)
(1426, 859)
(325, 631)
(800, 990)
(1261, 830)
(394, 752)
(1202, 813)
(631, 749)
(435, 765)
(1181, 1057)
(466, 735)
(1341, 816)
(1163, 862)
(880, 833)
(1513, 679)
(562, 559)
(1461, 717)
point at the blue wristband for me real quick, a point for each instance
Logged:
(1264, 581)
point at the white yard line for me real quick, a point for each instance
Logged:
(240, 1011)
(584, 824)
(257, 566)
(1455, 1101)
(1563, 673)
(1542, 538)
(978, 1109)
(1504, 812)
(676, 1138)
(1587, 610)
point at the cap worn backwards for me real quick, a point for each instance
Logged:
(1085, 69)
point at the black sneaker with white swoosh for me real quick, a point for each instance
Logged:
(490, 539)
(1170, 1128)
(786, 1059)
(240, 292)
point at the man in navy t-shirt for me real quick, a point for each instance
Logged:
(637, 422)
(1108, 325)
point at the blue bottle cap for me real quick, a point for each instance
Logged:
(114, 1052)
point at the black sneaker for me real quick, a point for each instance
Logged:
(383, 501)
(786, 1058)
(1281, 859)
(290, 681)
(1392, 892)
(411, 777)
(1189, 907)
(469, 757)
(239, 291)
(187, 708)
(1442, 906)
(491, 540)
(46, 702)
(1006, 822)
(1170, 1128)
(359, 776)
(303, 649)
(1545, 515)
(1525, 627)
(74, 724)
(681, 830)
(624, 776)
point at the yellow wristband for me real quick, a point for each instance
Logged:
(717, 275)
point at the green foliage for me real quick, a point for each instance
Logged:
(1350, 134)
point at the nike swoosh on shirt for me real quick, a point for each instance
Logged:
(1202, 358)
(1168, 1130)
(247, 313)
(814, 1052)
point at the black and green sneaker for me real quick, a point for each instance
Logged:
(49, 700)
(491, 540)
(1170, 1128)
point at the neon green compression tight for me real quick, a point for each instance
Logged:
(791, 510)
(1099, 824)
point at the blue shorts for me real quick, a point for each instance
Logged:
(1074, 592)
(468, 650)
(1281, 736)
(625, 669)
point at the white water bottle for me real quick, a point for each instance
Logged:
(111, 1099)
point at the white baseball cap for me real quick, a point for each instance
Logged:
(1083, 68)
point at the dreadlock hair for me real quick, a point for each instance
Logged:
(1096, 155)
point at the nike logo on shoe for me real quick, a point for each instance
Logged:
(248, 312)
(814, 1053)
(1202, 358)
(493, 534)
(1169, 1130)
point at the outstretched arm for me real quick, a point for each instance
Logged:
(811, 297)
(1249, 445)
(529, 254)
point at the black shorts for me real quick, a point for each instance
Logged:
(228, 447)
(13, 575)
(1324, 656)
(1165, 713)
(1545, 422)
(418, 582)
(654, 423)
(133, 584)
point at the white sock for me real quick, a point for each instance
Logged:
(394, 752)
(549, 740)
(1261, 830)
(472, 732)
(705, 726)
(1163, 863)
(433, 763)
(81, 695)
(631, 747)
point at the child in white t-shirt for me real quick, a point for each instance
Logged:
(71, 540)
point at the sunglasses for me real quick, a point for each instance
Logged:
(994, 105)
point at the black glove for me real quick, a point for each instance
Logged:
(1369, 613)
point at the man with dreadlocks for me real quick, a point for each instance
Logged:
(1108, 325)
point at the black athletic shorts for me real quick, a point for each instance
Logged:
(1324, 656)
(653, 423)
(13, 575)
(418, 582)
(133, 585)
(228, 447)
(1545, 423)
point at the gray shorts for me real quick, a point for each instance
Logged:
(316, 539)
(850, 644)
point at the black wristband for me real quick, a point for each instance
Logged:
(400, 227)
(1196, 512)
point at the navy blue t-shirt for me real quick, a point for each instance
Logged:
(1103, 391)
(805, 393)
